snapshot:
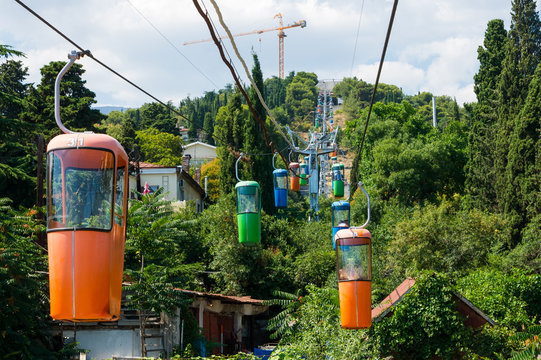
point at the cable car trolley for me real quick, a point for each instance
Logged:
(87, 185)
(354, 267)
(248, 209)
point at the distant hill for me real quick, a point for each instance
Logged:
(107, 109)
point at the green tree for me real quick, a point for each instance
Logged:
(522, 55)
(229, 135)
(17, 163)
(424, 324)
(75, 101)
(301, 95)
(480, 171)
(511, 299)
(208, 128)
(260, 168)
(523, 182)
(157, 116)
(24, 321)
(154, 231)
(442, 238)
(160, 147)
(316, 332)
(13, 89)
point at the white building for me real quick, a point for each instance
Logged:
(179, 186)
(200, 152)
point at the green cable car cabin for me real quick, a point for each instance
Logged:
(249, 212)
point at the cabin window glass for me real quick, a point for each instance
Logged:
(280, 181)
(119, 195)
(340, 216)
(247, 199)
(81, 194)
(353, 262)
(337, 175)
(55, 205)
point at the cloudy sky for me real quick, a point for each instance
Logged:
(433, 45)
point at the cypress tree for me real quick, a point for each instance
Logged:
(208, 126)
(261, 169)
(480, 175)
(522, 55)
(229, 137)
(522, 197)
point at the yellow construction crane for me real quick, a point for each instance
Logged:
(281, 36)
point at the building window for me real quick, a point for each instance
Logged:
(165, 183)
(181, 190)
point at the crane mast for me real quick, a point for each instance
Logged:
(281, 36)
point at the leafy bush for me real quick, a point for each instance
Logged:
(511, 299)
(424, 324)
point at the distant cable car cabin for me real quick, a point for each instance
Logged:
(87, 187)
(340, 218)
(354, 267)
(280, 182)
(303, 174)
(294, 179)
(248, 210)
(337, 180)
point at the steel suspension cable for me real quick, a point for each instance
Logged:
(220, 17)
(89, 54)
(356, 160)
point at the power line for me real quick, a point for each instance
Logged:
(208, 21)
(355, 165)
(170, 43)
(220, 38)
(89, 54)
(220, 17)
(356, 39)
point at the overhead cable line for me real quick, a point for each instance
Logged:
(356, 160)
(220, 38)
(356, 39)
(170, 43)
(207, 20)
(89, 54)
(220, 17)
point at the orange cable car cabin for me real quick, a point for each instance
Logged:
(87, 203)
(354, 265)
(294, 178)
(87, 183)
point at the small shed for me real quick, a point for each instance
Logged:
(473, 316)
(236, 323)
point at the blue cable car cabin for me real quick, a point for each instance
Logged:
(280, 188)
(340, 218)
(249, 212)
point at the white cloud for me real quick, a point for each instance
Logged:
(432, 47)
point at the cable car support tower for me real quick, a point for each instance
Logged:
(317, 149)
